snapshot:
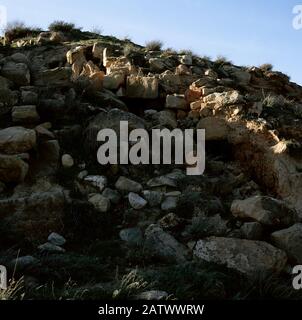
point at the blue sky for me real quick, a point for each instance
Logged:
(246, 32)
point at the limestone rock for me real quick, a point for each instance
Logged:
(136, 201)
(100, 203)
(164, 246)
(246, 256)
(265, 210)
(251, 231)
(25, 114)
(50, 248)
(99, 182)
(290, 240)
(114, 80)
(67, 161)
(14, 140)
(142, 87)
(97, 51)
(215, 128)
(154, 198)
(58, 77)
(169, 204)
(241, 76)
(12, 168)
(17, 73)
(176, 101)
(224, 99)
(56, 239)
(126, 185)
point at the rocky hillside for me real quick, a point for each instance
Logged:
(74, 229)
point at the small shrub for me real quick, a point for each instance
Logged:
(275, 101)
(266, 67)
(186, 52)
(170, 51)
(97, 30)
(262, 287)
(195, 280)
(15, 291)
(155, 45)
(130, 285)
(127, 38)
(222, 60)
(62, 26)
(18, 29)
(206, 58)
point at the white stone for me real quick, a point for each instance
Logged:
(136, 201)
(56, 239)
(176, 101)
(100, 203)
(67, 161)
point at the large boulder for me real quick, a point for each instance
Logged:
(14, 140)
(76, 54)
(265, 210)
(19, 58)
(108, 99)
(242, 76)
(142, 87)
(215, 128)
(58, 77)
(18, 73)
(223, 99)
(25, 114)
(12, 168)
(114, 80)
(290, 240)
(97, 51)
(176, 101)
(157, 65)
(246, 256)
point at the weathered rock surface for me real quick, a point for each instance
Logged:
(142, 87)
(290, 240)
(164, 246)
(136, 201)
(25, 114)
(100, 203)
(16, 140)
(265, 210)
(246, 256)
(16, 72)
(126, 185)
(12, 168)
(63, 88)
